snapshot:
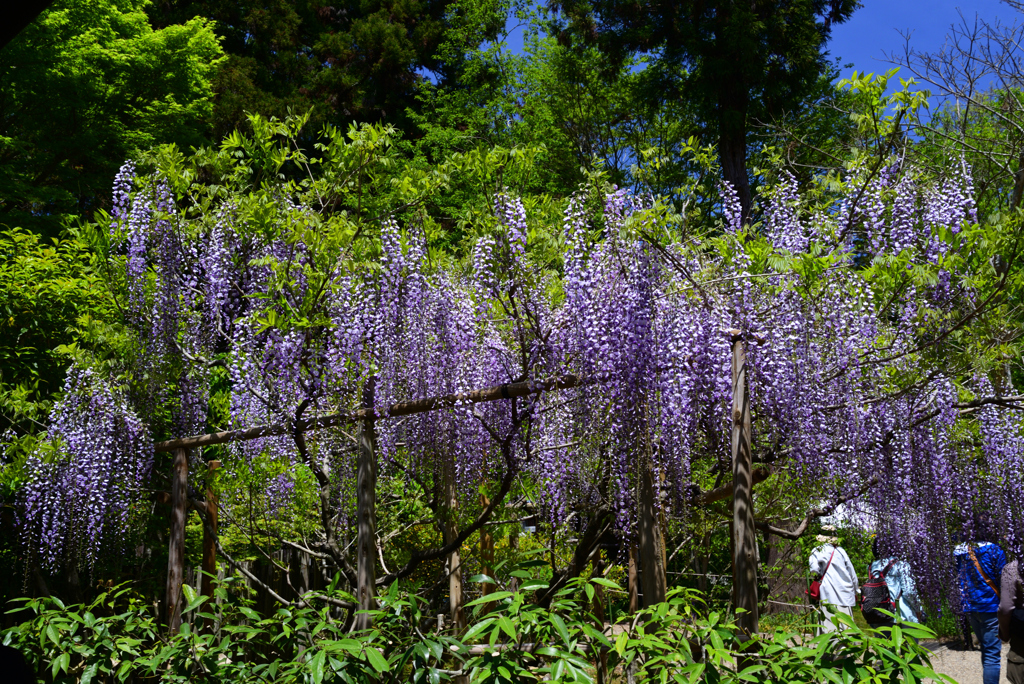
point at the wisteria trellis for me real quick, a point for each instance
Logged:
(843, 384)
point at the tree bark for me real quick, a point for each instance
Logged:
(451, 533)
(732, 142)
(652, 549)
(744, 560)
(176, 547)
(366, 524)
(599, 523)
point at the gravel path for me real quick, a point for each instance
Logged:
(963, 666)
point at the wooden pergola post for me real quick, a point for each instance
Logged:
(744, 541)
(176, 547)
(653, 578)
(366, 523)
(634, 594)
(451, 530)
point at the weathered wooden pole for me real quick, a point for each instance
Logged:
(652, 549)
(366, 523)
(176, 547)
(744, 541)
(210, 537)
(455, 595)
(631, 580)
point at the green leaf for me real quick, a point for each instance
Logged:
(620, 643)
(317, 665)
(507, 627)
(89, 673)
(560, 626)
(249, 613)
(377, 660)
(496, 596)
(477, 629)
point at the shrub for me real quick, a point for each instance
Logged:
(513, 641)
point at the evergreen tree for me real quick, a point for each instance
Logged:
(345, 61)
(737, 62)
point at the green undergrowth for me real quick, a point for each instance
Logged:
(511, 640)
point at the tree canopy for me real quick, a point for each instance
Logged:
(85, 86)
(737, 62)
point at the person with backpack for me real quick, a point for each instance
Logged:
(890, 587)
(836, 587)
(1011, 620)
(979, 565)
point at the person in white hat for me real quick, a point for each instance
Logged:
(839, 586)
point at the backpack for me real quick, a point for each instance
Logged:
(875, 597)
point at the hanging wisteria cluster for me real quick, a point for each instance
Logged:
(82, 493)
(840, 310)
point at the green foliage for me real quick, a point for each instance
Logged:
(985, 134)
(357, 62)
(581, 111)
(53, 304)
(85, 86)
(514, 641)
(735, 63)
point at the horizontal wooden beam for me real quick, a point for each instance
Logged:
(405, 408)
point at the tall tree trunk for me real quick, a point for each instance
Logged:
(652, 548)
(732, 142)
(451, 531)
(176, 547)
(366, 523)
(744, 560)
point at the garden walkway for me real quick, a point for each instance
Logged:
(964, 666)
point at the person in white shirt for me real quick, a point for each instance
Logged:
(839, 587)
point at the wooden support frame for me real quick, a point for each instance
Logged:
(176, 546)
(366, 525)
(744, 539)
(405, 408)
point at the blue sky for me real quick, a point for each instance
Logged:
(874, 30)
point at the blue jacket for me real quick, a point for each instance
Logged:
(977, 595)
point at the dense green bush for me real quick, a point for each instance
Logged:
(512, 640)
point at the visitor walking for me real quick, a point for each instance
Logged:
(1011, 620)
(979, 565)
(838, 589)
(902, 589)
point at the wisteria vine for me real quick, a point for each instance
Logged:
(838, 308)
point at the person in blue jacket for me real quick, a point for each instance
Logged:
(979, 565)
